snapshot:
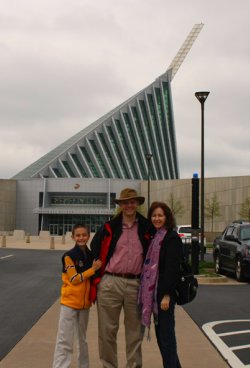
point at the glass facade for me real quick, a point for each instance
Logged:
(99, 158)
(68, 169)
(113, 142)
(79, 165)
(61, 224)
(116, 145)
(80, 199)
(108, 155)
(89, 162)
(57, 172)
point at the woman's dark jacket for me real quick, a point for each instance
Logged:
(171, 254)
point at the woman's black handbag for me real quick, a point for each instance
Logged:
(187, 286)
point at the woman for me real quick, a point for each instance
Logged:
(160, 274)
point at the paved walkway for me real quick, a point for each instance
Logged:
(36, 348)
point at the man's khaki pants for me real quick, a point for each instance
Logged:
(113, 294)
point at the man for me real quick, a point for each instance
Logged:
(121, 245)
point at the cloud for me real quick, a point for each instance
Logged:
(65, 64)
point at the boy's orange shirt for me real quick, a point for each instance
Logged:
(75, 291)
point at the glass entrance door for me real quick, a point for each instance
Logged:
(53, 229)
(67, 228)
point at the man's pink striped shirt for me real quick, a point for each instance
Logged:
(128, 254)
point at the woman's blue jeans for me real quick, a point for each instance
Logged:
(165, 334)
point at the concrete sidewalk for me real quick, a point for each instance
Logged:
(36, 349)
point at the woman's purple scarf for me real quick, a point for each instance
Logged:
(148, 288)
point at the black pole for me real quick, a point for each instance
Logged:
(202, 181)
(148, 158)
(202, 96)
(148, 186)
(195, 250)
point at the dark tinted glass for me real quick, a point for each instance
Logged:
(185, 230)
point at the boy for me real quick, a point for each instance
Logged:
(78, 266)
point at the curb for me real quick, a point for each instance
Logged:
(216, 280)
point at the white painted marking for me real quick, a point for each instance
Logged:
(239, 347)
(9, 255)
(234, 333)
(226, 352)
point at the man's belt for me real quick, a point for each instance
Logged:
(123, 275)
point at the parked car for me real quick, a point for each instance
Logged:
(185, 233)
(232, 250)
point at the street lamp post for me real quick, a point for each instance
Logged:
(202, 96)
(148, 158)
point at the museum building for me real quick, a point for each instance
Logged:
(79, 180)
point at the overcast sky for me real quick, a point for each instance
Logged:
(65, 63)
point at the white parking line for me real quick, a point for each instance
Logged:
(239, 347)
(233, 333)
(9, 255)
(227, 352)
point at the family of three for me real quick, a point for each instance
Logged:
(133, 265)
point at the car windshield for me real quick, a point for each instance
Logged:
(185, 230)
(245, 233)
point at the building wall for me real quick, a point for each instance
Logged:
(18, 199)
(231, 193)
(27, 200)
(7, 205)
(161, 191)
(28, 195)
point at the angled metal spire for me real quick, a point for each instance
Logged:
(114, 146)
(184, 50)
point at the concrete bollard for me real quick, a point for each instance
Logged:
(52, 242)
(28, 238)
(63, 239)
(4, 241)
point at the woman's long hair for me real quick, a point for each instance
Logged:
(170, 221)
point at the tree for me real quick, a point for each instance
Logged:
(175, 205)
(212, 209)
(245, 209)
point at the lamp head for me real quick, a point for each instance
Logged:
(201, 96)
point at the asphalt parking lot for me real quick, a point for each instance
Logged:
(222, 313)
(34, 278)
(30, 283)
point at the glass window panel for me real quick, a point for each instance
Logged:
(79, 199)
(68, 168)
(99, 158)
(79, 165)
(117, 152)
(57, 172)
(90, 163)
(109, 157)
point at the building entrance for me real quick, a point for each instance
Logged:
(57, 229)
(61, 224)
(53, 229)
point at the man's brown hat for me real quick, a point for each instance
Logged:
(127, 194)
